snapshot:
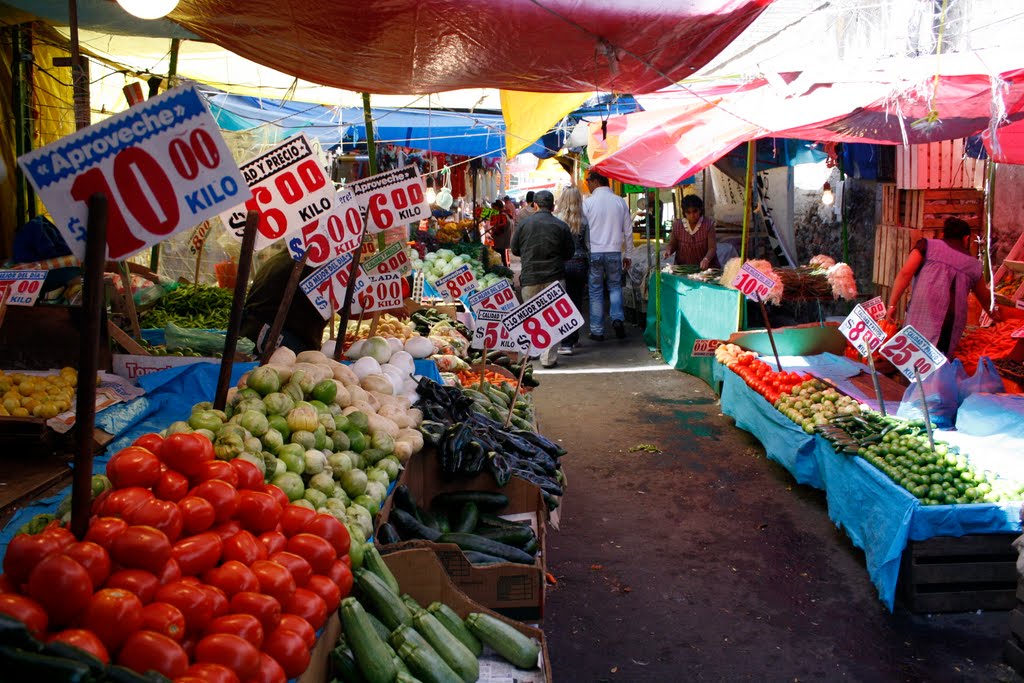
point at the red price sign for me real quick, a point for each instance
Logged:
(703, 348)
(392, 259)
(326, 287)
(910, 351)
(328, 237)
(498, 296)
(289, 190)
(378, 293)
(162, 165)
(456, 283)
(21, 287)
(861, 330)
(875, 308)
(546, 319)
(392, 198)
(753, 283)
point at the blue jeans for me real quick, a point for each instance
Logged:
(605, 267)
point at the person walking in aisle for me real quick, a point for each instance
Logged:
(527, 209)
(543, 243)
(569, 208)
(610, 232)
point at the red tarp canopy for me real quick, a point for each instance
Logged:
(426, 46)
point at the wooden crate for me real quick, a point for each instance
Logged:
(892, 244)
(937, 165)
(929, 209)
(890, 204)
(960, 574)
(1013, 262)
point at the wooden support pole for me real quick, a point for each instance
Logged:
(519, 383)
(129, 299)
(771, 337)
(270, 345)
(235, 321)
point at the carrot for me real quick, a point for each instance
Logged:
(470, 378)
(994, 342)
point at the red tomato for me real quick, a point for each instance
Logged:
(6, 585)
(141, 547)
(121, 502)
(263, 607)
(275, 580)
(289, 649)
(159, 514)
(142, 583)
(331, 529)
(153, 443)
(197, 554)
(134, 466)
(347, 559)
(232, 577)
(173, 486)
(243, 547)
(62, 536)
(277, 493)
(208, 672)
(218, 599)
(24, 552)
(94, 558)
(186, 453)
(145, 650)
(231, 651)
(216, 469)
(258, 512)
(223, 495)
(249, 476)
(227, 529)
(294, 622)
(193, 601)
(294, 518)
(269, 672)
(298, 566)
(327, 590)
(61, 586)
(26, 610)
(165, 619)
(170, 572)
(83, 640)
(274, 541)
(197, 514)
(113, 614)
(308, 605)
(103, 530)
(318, 551)
(243, 625)
(341, 575)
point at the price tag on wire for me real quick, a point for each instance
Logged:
(754, 284)
(1018, 333)
(391, 198)
(861, 330)
(908, 350)
(325, 288)
(875, 308)
(289, 190)
(499, 296)
(377, 292)
(457, 283)
(489, 333)
(162, 165)
(546, 319)
(327, 237)
(703, 348)
(392, 259)
(21, 287)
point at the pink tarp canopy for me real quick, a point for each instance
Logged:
(425, 46)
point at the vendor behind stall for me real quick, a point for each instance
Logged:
(693, 241)
(303, 327)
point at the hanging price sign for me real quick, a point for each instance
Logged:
(1018, 333)
(546, 319)
(875, 308)
(377, 293)
(754, 284)
(457, 283)
(162, 165)
(325, 288)
(391, 198)
(21, 287)
(330, 236)
(392, 259)
(861, 330)
(198, 237)
(289, 190)
(498, 296)
(908, 350)
(489, 333)
(702, 348)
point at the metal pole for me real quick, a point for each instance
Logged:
(747, 202)
(657, 277)
(924, 408)
(874, 380)
(252, 221)
(88, 362)
(990, 208)
(771, 337)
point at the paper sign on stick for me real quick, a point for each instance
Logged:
(391, 198)
(546, 319)
(909, 350)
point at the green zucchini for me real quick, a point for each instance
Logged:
(369, 650)
(405, 677)
(375, 563)
(427, 665)
(120, 674)
(444, 523)
(517, 537)
(488, 501)
(343, 666)
(411, 603)
(505, 640)
(488, 547)
(407, 635)
(427, 519)
(388, 607)
(532, 546)
(453, 622)
(451, 649)
(496, 522)
(467, 519)
(383, 631)
(57, 648)
(14, 633)
(410, 527)
(482, 558)
(19, 665)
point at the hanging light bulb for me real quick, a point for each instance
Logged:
(826, 195)
(148, 9)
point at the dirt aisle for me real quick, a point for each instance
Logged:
(706, 562)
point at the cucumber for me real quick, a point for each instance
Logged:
(369, 650)
(410, 527)
(489, 520)
(488, 547)
(388, 607)
(427, 665)
(452, 651)
(375, 563)
(517, 537)
(482, 558)
(505, 640)
(453, 622)
(486, 501)
(468, 518)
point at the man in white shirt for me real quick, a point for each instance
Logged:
(610, 233)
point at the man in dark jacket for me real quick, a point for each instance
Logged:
(303, 325)
(543, 243)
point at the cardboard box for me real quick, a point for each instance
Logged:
(131, 366)
(420, 574)
(317, 670)
(513, 589)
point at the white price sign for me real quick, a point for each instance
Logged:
(162, 165)
(498, 296)
(391, 198)
(198, 237)
(546, 319)
(1020, 304)
(908, 350)
(703, 348)
(392, 259)
(330, 236)
(377, 292)
(754, 284)
(21, 287)
(1018, 333)
(861, 330)
(326, 286)
(456, 283)
(490, 333)
(875, 308)
(289, 190)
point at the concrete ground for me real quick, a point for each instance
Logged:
(706, 561)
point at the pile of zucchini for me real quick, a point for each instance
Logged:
(388, 637)
(494, 402)
(469, 519)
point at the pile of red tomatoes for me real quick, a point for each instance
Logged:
(191, 567)
(760, 377)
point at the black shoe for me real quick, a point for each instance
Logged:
(620, 329)
(547, 367)
(597, 337)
